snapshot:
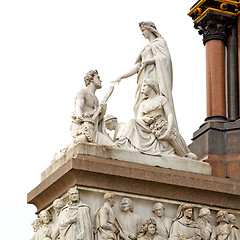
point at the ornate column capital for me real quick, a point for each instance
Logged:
(214, 18)
(215, 26)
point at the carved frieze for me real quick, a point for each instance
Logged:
(101, 218)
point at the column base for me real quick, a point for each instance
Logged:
(217, 142)
(216, 118)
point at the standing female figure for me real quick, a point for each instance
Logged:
(154, 62)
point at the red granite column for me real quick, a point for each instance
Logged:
(238, 33)
(215, 79)
(217, 140)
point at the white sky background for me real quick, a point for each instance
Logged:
(46, 48)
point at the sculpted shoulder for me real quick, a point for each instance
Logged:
(168, 220)
(81, 205)
(82, 92)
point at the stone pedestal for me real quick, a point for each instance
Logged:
(144, 184)
(106, 162)
(126, 155)
(134, 178)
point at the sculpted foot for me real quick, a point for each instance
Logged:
(192, 156)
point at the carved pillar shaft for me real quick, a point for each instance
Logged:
(215, 78)
(232, 75)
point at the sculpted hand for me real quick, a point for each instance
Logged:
(118, 80)
(166, 135)
(131, 236)
(147, 119)
(103, 108)
(115, 229)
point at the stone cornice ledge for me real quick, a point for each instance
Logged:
(134, 178)
(111, 152)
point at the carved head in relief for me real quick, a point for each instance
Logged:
(158, 209)
(232, 219)
(110, 198)
(149, 228)
(58, 204)
(36, 224)
(126, 205)
(73, 195)
(205, 214)
(45, 217)
(185, 210)
(222, 216)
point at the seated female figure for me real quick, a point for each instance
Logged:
(152, 132)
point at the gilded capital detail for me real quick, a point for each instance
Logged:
(214, 18)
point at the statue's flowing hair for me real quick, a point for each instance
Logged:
(144, 228)
(151, 27)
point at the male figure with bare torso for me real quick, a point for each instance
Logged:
(87, 124)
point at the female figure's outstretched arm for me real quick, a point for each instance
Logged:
(130, 73)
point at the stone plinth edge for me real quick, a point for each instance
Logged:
(109, 152)
(139, 179)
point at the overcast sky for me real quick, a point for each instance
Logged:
(46, 48)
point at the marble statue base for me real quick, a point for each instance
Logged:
(108, 174)
(95, 170)
(109, 152)
(144, 184)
